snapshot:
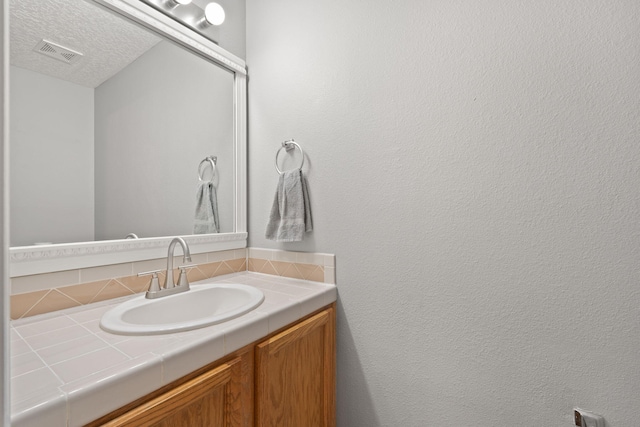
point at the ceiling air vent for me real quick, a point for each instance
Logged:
(58, 52)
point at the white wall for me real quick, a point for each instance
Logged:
(149, 143)
(5, 401)
(475, 166)
(51, 160)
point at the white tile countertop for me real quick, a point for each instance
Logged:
(66, 371)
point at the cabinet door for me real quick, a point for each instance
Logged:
(295, 375)
(211, 399)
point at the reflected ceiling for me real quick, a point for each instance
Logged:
(108, 43)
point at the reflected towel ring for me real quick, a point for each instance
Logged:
(288, 146)
(211, 159)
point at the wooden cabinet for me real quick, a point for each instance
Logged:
(210, 399)
(295, 375)
(285, 380)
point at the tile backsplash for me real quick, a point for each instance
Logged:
(43, 293)
(316, 267)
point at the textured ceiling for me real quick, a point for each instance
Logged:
(108, 42)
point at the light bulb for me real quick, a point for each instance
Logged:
(214, 14)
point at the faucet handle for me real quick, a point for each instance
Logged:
(182, 279)
(154, 286)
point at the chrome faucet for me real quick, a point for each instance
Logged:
(170, 287)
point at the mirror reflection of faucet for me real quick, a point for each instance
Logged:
(170, 287)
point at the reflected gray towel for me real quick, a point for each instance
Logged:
(291, 212)
(206, 220)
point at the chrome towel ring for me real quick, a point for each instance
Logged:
(213, 160)
(288, 146)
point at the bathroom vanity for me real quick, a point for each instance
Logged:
(272, 366)
(285, 380)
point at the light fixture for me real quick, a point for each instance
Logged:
(204, 20)
(214, 14)
(171, 5)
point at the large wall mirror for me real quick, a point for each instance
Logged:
(114, 108)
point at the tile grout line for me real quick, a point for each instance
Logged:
(46, 365)
(34, 305)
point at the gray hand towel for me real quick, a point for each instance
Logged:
(291, 212)
(206, 219)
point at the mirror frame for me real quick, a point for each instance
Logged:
(28, 260)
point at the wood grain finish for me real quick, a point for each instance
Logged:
(295, 375)
(211, 399)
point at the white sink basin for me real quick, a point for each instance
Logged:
(202, 305)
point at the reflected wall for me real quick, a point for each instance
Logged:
(149, 144)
